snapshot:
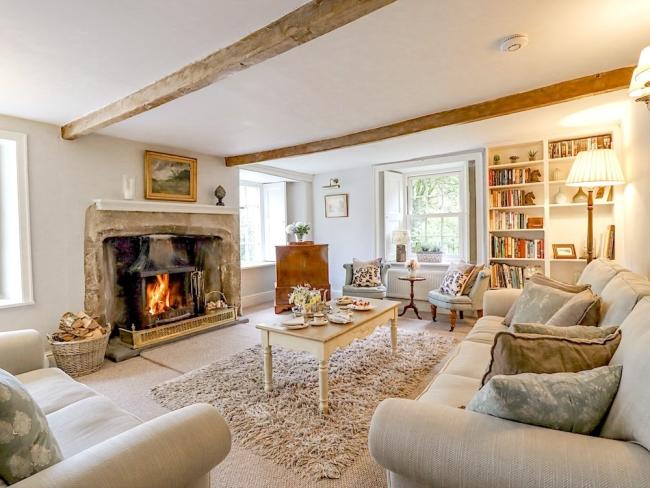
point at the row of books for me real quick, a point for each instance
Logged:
(513, 176)
(514, 247)
(605, 246)
(506, 276)
(508, 220)
(507, 198)
(571, 147)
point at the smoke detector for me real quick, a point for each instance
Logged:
(514, 43)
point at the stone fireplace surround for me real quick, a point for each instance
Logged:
(101, 224)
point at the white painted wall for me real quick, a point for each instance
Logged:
(348, 237)
(64, 177)
(636, 137)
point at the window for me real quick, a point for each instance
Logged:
(436, 213)
(15, 258)
(262, 220)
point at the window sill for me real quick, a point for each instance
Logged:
(396, 265)
(264, 264)
(14, 304)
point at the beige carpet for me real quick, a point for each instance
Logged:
(285, 425)
(129, 383)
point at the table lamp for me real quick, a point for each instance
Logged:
(592, 169)
(400, 239)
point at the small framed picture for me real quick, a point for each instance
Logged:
(564, 251)
(169, 177)
(336, 205)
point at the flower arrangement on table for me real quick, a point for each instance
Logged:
(412, 266)
(304, 298)
(299, 229)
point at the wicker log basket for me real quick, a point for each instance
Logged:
(79, 345)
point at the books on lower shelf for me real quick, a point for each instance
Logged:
(605, 247)
(508, 198)
(514, 247)
(513, 176)
(505, 276)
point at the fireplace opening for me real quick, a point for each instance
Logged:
(167, 297)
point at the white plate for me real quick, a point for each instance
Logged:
(295, 327)
(362, 309)
(335, 319)
(318, 323)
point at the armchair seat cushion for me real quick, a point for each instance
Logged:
(365, 291)
(436, 297)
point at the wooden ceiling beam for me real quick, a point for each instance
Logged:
(298, 27)
(540, 97)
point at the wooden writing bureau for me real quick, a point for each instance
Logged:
(296, 264)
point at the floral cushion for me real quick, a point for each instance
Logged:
(366, 276)
(452, 282)
(26, 443)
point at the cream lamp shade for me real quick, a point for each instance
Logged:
(598, 167)
(400, 237)
(641, 74)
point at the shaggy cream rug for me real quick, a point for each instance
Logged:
(285, 425)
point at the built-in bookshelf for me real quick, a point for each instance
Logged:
(530, 208)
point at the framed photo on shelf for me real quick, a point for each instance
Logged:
(169, 177)
(564, 251)
(336, 205)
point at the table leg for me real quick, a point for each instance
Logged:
(411, 304)
(393, 334)
(268, 362)
(323, 386)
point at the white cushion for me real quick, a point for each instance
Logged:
(598, 273)
(471, 360)
(485, 329)
(87, 422)
(620, 296)
(629, 416)
(52, 389)
(452, 390)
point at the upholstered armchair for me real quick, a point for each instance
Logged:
(364, 291)
(458, 304)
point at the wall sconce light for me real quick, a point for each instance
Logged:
(334, 183)
(640, 83)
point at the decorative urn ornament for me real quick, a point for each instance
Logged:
(580, 196)
(220, 193)
(560, 197)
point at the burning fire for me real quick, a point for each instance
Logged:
(159, 295)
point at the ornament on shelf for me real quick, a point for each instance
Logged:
(128, 187)
(220, 193)
(529, 198)
(535, 176)
(560, 197)
(580, 196)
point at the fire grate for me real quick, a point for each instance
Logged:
(139, 339)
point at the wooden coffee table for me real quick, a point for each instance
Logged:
(322, 341)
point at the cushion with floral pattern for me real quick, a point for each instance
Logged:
(366, 276)
(452, 282)
(27, 445)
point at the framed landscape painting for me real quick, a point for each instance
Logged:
(336, 205)
(169, 177)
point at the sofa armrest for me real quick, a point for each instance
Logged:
(440, 446)
(498, 302)
(21, 351)
(172, 451)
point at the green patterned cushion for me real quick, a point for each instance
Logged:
(573, 402)
(537, 304)
(573, 332)
(26, 443)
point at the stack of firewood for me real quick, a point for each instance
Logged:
(78, 327)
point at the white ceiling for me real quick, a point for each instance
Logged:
(410, 58)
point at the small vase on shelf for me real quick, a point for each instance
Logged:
(580, 196)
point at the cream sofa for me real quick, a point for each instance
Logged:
(104, 446)
(433, 442)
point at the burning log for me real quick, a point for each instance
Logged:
(78, 327)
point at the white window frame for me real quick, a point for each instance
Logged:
(13, 150)
(265, 260)
(463, 214)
